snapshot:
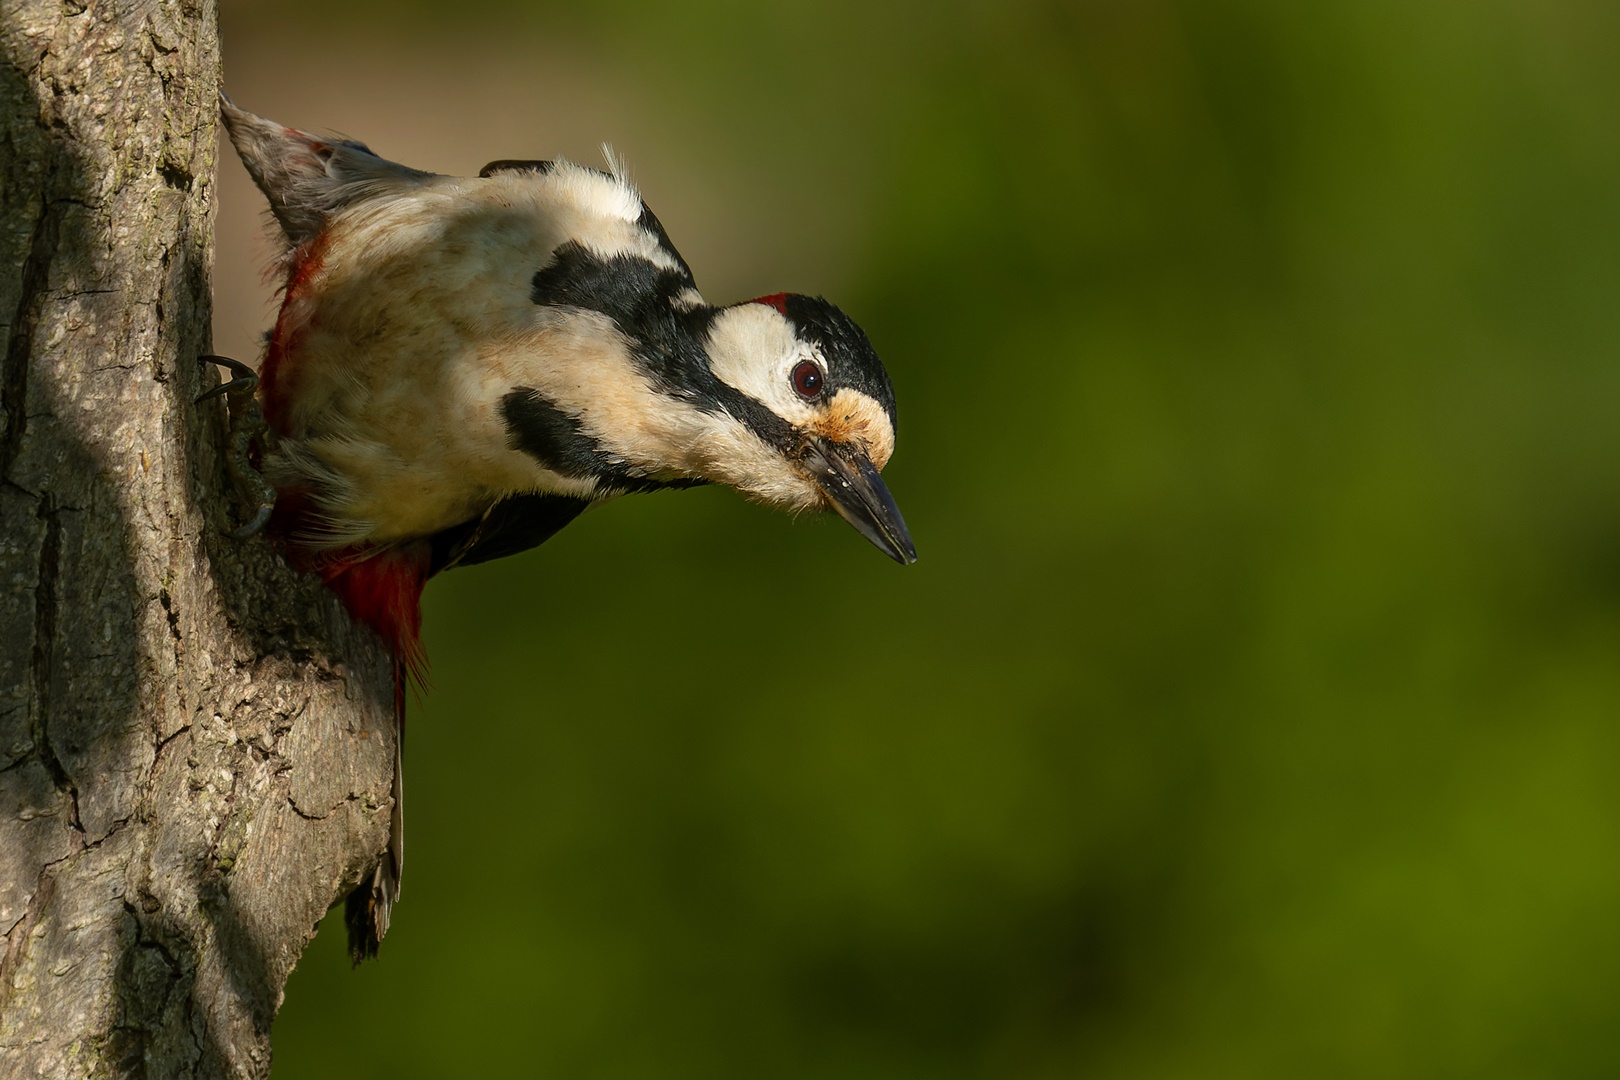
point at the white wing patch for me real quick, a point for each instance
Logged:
(593, 194)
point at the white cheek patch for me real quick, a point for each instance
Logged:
(753, 349)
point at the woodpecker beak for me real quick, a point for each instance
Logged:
(852, 484)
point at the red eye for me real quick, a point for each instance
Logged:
(807, 380)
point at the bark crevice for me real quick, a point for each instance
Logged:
(36, 268)
(50, 555)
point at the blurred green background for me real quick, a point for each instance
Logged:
(1252, 711)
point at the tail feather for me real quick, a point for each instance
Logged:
(384, 591)
(370, 905)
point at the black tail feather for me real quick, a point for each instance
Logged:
(367, 910)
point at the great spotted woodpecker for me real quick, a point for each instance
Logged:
(462, 365)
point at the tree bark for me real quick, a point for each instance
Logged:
(195, 745)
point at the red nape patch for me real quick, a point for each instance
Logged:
(775, 300)
(384, 591)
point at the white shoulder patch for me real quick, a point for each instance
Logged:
(597, 192)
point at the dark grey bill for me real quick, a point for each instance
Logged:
(858, 493)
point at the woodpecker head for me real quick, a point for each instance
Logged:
(812, 411)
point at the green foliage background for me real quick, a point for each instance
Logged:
(1253, 709)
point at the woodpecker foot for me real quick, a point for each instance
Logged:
(246, 426)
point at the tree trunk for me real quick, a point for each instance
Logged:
(195, 745)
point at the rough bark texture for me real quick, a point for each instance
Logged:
(195, 747)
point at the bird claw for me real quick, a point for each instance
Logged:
(243, 383)
(246, 426)
(261, 517)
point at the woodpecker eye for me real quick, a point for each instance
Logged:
(807, 379)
